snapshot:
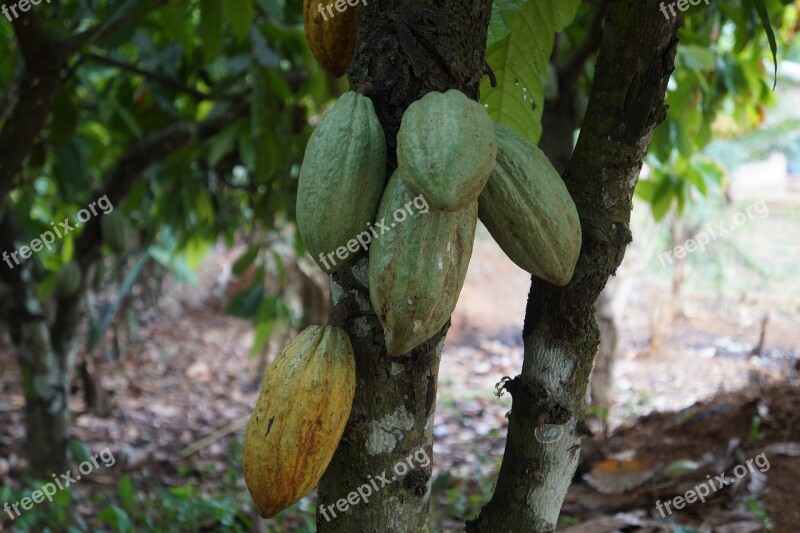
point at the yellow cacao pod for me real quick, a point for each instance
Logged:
(446, 149)
(341, 180)
(331, 33)
(417, 268)
(528, 210)
(302, 409)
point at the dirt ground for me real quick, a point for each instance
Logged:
(192, 375)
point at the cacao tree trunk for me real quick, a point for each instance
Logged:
(405, 49)
(44, 353)
(560, 332)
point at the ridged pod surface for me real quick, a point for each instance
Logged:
(529, 212)
(304, 404)
(417, 268)
(341, 180)
(332, 39)
(446, 149)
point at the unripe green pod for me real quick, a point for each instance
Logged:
(446, 149)
(69, 280)
(341, 180)
(528, 210)
(417, 268)
(115, 232)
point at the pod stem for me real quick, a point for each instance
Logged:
(365, 89)
(343, 313)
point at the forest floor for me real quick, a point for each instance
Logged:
(697, 406)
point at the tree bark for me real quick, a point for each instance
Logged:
(560, 333)
(405, 49)
(45, 370)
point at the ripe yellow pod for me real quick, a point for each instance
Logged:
(302, 409)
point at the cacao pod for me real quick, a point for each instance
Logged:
(446, 149)
(69, 280)
(305, 401)
(417, 269)
(114, 229)
(341, 180)
(331, 35)
(529, 212)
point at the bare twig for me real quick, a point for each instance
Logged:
(155, 76)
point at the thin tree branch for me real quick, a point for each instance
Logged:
(128, 14)
(571, 69)
(38, 85)
(155, 76)
(129, 168)
(118, 182)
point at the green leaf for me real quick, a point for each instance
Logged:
(79, 451)
(646, 190)
(761, 7)
(115, 517)
(211, 28)
(520, 59)
(502, 10)
(222, 144)
(245, 260)
(697, 57)
(240, 14)
(174, 21)
(246, 303)
(264, 55)
(126, 491)
(662, 200)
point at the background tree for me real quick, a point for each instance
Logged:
(191, 117)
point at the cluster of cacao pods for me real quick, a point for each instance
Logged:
(463, 167)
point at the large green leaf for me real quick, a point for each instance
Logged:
(240, 13)
(211, 28)
(761, 7)
(519, 59)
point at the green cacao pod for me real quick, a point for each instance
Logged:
(69, 280)
(446, 149)
(341, 180)
(529, 211)
(417, 269)
(305, 401)
(331, 34)
(114, 229)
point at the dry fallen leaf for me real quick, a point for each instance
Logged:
(615, 477)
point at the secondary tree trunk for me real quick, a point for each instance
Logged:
(560, 333)
(406, 49)
(45, 362)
